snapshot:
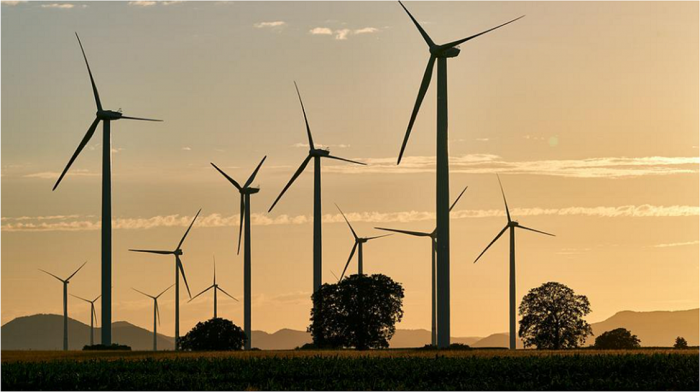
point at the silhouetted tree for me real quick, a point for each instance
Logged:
(360, 311)
(680, 343)
(215, 334)
(552, 317)
(617, 339)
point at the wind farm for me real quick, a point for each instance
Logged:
(563, 108)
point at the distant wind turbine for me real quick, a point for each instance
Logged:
(316, 154)
(440, 53)
(215, 287)
(246, 190)
(65, 302)
(106, 116)
(433, 243)
(93, 316)
(512, 225)
(156, 314)
(178, 269)
(359, 241)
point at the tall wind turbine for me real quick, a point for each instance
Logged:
(316, 154)
(215, 287)
(65, 302)
(433, 244)
(440, 53)
(93, 316)
(246, 190)
(178, 269)
(156, 314)
(106, 116)
(512, 225)
(359, 241)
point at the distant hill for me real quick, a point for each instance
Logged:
(45, 332)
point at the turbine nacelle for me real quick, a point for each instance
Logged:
(320, 152)
(108, 115)
(249, 190)
(441, 52)
(178, 252)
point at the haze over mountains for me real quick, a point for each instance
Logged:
(45, 332)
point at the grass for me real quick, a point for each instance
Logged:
(352, 370)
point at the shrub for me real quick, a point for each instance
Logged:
(617, 339)
(216, 334)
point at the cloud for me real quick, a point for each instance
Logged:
(610, 167)
(277, 23)
(54, 175)
(74, 223)
(143, 3)
(321, 31)
(674, 244)
(342, 34)
(482, 139)
(166, 3)
(319, 145)
(58, 5)
(186, 148)
(12, 3)
(367, 30)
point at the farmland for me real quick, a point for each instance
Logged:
(352, 370)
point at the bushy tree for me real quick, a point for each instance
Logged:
(360, 311)
(617, 339)
(216, 334)
(552, 317)
(680, 343)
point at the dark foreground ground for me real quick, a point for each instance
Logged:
(344, 370)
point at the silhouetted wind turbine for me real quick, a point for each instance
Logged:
(178, 268)
(433, 244)
(359, 241)
(106, 116)
(93, 315)
(512, 225)
(440, 53)
(316, 154)
(246, 190)
(65, 302)
(156, 314)
(215, 287)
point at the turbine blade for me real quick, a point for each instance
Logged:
(346, 220)
(504, 197)
(335, 276)
(139, 119)
(425, 35)
(203, 291)
(427, 76)
(352, 253)
(378, 236)
(458, 197)
(455, 43)
(230, 296)
(157, 311)
(345, 160)
(494, 240)
(240, 228)
(96, 298)
(188, 229)
(83, 143)
(413, 233)
(231, 180)
(255, 172)
(294, 177)
(76, 271)
(92, 80)
(163, 292)
(308, 129)
(182, 270)
(94, 313)
(147, 295)
(158, 252)
(46, 272)
(536, 231)
(86, 300)
(214, 269)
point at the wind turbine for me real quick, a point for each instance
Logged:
(512, 225)
(156, 314)
(106, 116)
(316, 154)
(440, 53)
(433, 244)
(215, 287)
(246, 190)
(93, 316)
(359, 241)
(65, 302)
(178, 268)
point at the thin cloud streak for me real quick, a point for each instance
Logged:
(277, 23)
(25, 224)
(675, 244)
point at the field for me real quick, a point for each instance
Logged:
(351, 370)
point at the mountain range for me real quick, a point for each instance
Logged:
(45, 332)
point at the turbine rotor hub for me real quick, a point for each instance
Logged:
(108, 115)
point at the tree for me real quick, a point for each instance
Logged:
(215, 334)
(617, 339)
(680, 343)
(552, 317)
(360, 311)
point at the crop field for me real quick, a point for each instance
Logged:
(352, 370)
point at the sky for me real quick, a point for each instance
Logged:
(587, 111)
